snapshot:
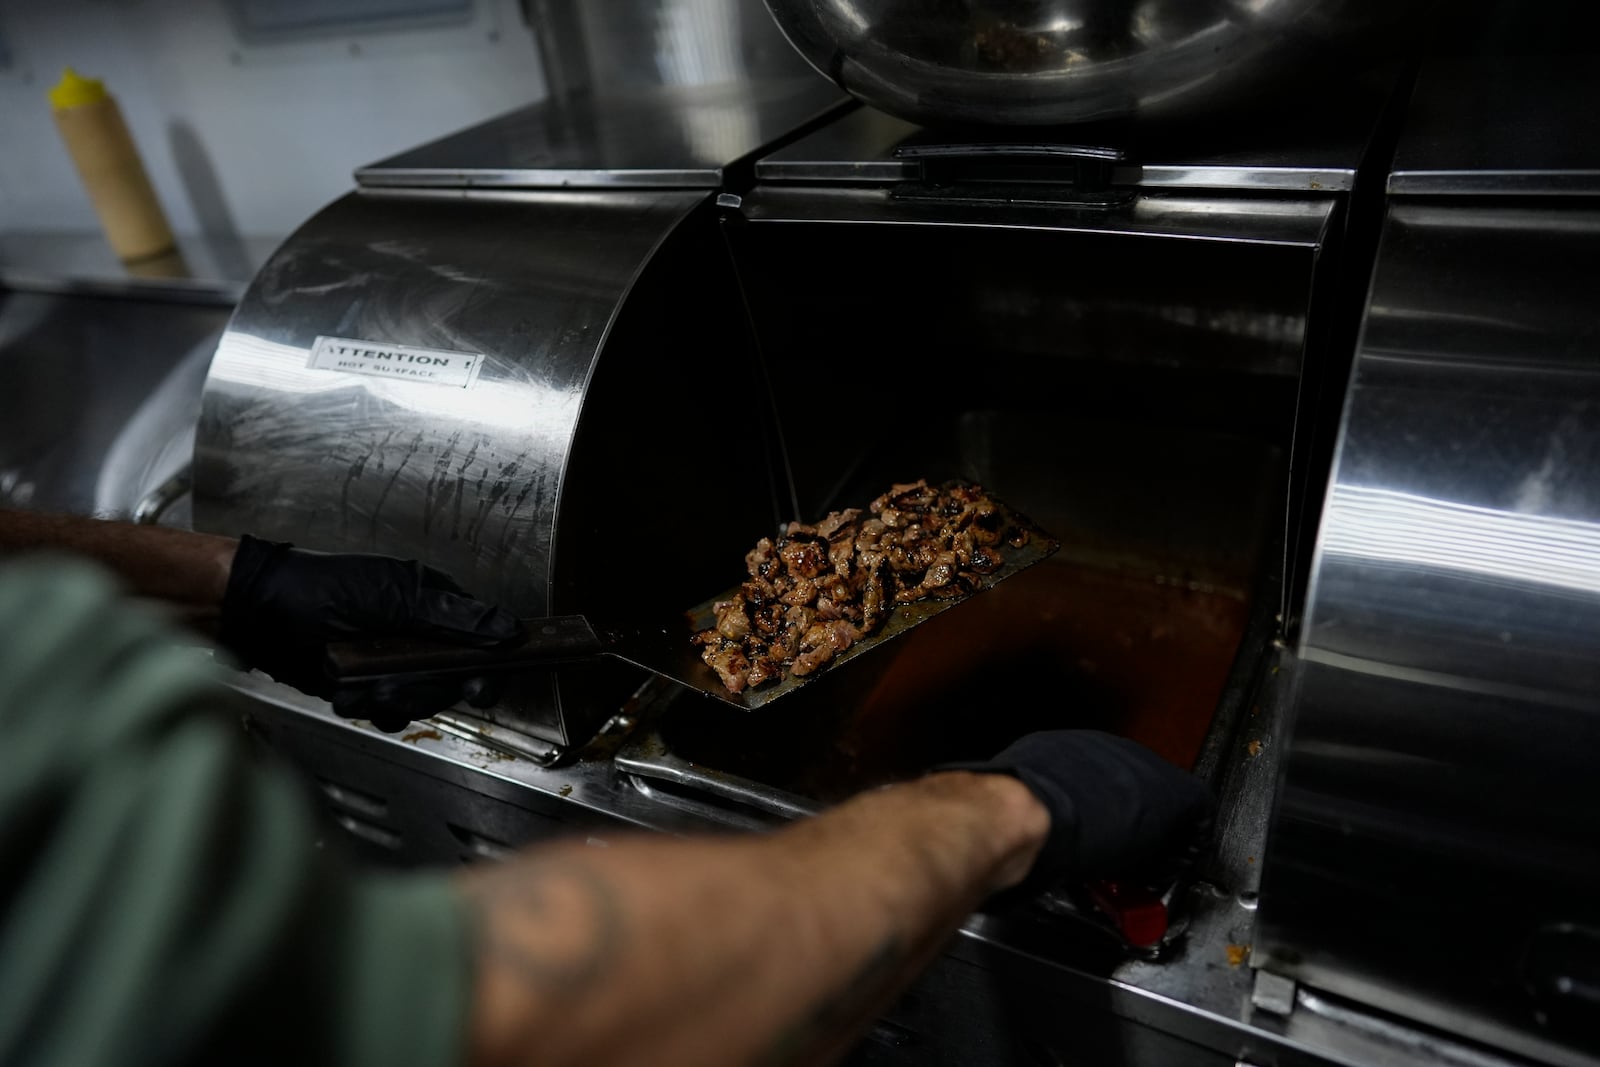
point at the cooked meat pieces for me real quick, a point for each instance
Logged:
(818, 589)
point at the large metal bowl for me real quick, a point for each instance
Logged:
(1051, 62)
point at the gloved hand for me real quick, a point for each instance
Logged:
(1117, 810)
(284, 604)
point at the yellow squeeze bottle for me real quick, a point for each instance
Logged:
(91, 125)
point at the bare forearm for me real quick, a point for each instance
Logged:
(772, 949)
(154, 561)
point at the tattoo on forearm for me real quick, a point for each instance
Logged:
(557, 928)
(841, 1009)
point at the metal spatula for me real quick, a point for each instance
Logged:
(661, 646)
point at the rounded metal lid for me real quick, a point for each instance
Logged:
(1053, 62)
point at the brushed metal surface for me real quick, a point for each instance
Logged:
(98, 396)
(1288, 223)
(1439, 807)
(467, 477)
(1310, 150)
(203, 269)
(618, 47)
(1503, 105)
(667, 137)
(391, 782)
(529, 485)
(1168, 311)
(643, 94)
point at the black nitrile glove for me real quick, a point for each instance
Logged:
(1117, 810)
(283, 605)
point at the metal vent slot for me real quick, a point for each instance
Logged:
(366, 831)
(354, 800)
(479, 846)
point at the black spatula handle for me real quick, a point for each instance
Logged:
(556, 639)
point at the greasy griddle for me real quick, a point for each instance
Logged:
(1069, 645)
(660, 645)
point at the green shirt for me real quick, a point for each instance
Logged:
(162, 896)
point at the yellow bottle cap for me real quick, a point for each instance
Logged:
(74, 90)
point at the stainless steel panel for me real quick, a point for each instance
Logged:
(674, 136)
(857, 147)
(202, 270)
(1201, 995)
(97, 397)
(526, 484)
(1294, 223)
(1307, 150)
(1439, 816)
(582, 789)
(665, 93)
(530, 283)
(1172, 312)
(1504, 105)
(630, 45)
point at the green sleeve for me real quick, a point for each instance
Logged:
(162, 896)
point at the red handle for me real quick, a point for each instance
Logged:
(1139, 913)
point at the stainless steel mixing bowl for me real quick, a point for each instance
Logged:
(1048, 62)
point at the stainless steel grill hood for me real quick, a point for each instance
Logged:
(505, 351)
(1435, 849)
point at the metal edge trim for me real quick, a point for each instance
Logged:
(1400, 1018)
(1148, 234)
(220, 294)
(638, 757)
(1275, 179)
(536, 178)
(1494, 182)
(1150, 176)
(873, 171)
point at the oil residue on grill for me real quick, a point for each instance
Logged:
(1063, 645)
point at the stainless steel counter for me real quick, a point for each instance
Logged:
(452, 788)
(666, 137)
(201, 270)
(99, 398)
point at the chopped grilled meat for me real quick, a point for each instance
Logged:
(729, 661)
(820, 643)
(732, 621)
(818, 589)
(838, 521)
